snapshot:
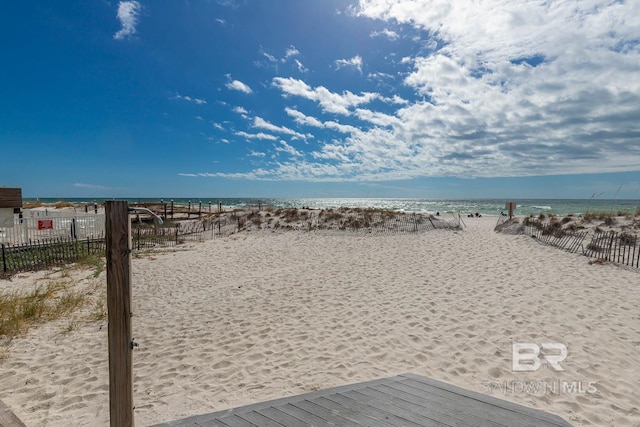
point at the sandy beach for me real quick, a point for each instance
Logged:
(257, 316)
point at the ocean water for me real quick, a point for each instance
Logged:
(525, 207)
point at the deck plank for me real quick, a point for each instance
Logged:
(404, 400)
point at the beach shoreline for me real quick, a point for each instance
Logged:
(261, 315)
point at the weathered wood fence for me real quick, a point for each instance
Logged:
(380, 223)
(617, 247)
(553, 235)
(300, 220)
(613, 246)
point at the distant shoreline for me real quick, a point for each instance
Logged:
(444, 206)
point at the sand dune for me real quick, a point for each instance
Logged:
(258, 316)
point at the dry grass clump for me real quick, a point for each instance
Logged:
(627, 239)
(60, 205)
(533, 222)
(60, 297)
(31, 205)
(19, 311)
(330, 215)
(292, 214)
(600, 216)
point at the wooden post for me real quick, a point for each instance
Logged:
(118, 238)
(510, 207)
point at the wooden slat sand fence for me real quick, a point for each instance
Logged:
(330, 220)
(379, 223)
(553, 235)
(616, 247)
(621, 248)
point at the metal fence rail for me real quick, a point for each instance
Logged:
(47, 253)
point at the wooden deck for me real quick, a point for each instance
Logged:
(405, 400)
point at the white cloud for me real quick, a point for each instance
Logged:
(239, 86)
(291, 51)
(301, 67)
(94, 186)
(355, 62)
(302, 119)
(259, 135)
(256, 154)
(260, 123)
(128, 12)
(495, 88)
(240, 110)
(329, 101)
(190, 99)
(269, 56)
(390, 34)
(286, 148)
(377, 118)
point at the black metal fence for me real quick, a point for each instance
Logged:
(45, 253)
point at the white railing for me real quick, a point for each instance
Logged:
(38, 226)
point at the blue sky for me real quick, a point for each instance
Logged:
(289, 98)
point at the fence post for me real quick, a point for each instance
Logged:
(73, 228)
(4, 261)
(118, 239)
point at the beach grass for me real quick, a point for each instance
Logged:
(19, 310)
(59, 297)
